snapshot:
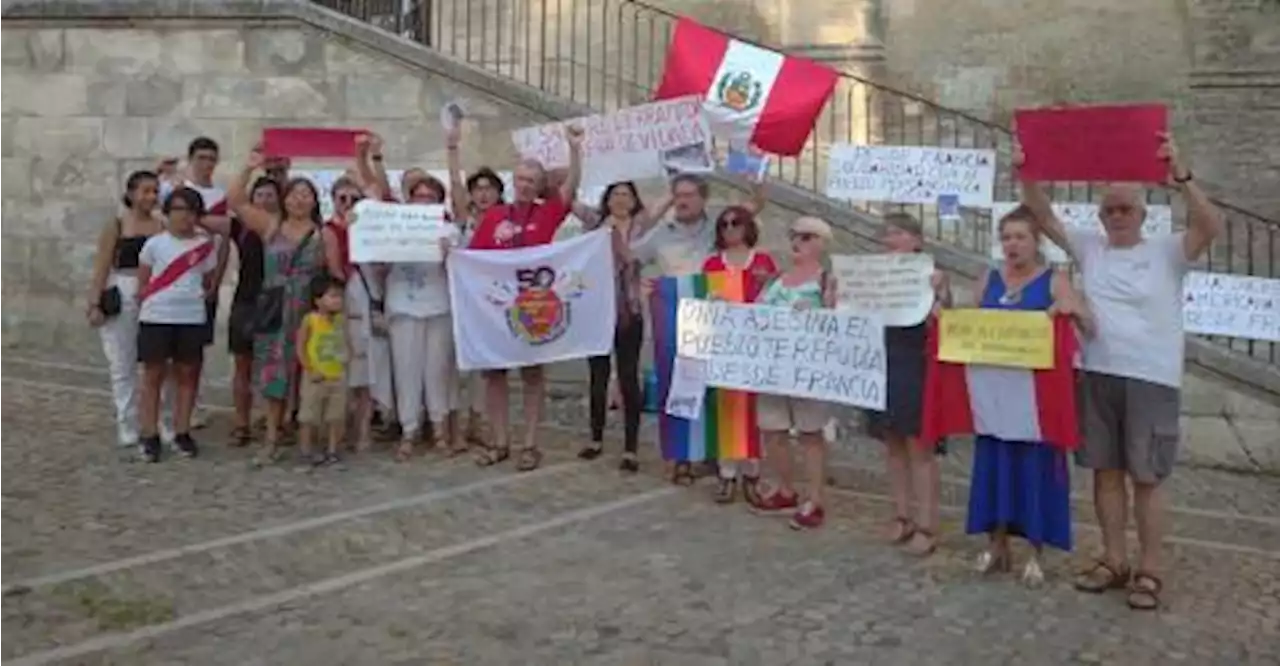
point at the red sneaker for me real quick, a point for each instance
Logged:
(776, 502)
(810, 516)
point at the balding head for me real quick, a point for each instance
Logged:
(1122, 211)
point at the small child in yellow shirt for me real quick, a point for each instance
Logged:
(323, 351)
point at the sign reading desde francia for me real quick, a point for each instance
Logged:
(398, 233)
(1239, 306)
(629, 144)
(897, 287)
(1083, 216)
(911, 174)
(821, 354)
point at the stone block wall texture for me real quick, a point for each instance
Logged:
(83, 107)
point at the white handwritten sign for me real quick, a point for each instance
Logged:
(897, 287)
(397, 233)
(911, 174)
(645, 141)
(829, 355)
(688, 388)
(1239, 306)
(1082, 216)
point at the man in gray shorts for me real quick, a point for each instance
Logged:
(1131, 388)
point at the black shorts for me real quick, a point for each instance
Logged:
(180, 343)
(242, 314)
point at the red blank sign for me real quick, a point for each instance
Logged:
(309, 142)
(1094, 143)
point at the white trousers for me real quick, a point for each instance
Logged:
(424, 365)
(371, 356)
(119, 336)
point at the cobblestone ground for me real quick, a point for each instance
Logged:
(108, 561)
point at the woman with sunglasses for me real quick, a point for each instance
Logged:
(622, 211)
(293, 254)
(112, 305)
(421, 332)
(736, 236)
(175, 272)
(806, 285)
(912, 470)
(364, 365)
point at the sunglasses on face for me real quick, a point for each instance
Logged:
(731, 223)
(349, 198)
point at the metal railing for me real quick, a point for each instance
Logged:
(609, 54)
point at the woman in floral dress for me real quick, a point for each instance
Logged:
(293, 255)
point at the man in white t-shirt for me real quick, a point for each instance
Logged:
(1131, 391)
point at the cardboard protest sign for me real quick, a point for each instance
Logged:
(897, 287)
(1238, 306)
(911, 174)
(1011, 338)
(396, 233)
(1093, 143)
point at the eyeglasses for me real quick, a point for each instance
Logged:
(732, 222)
(349, 198)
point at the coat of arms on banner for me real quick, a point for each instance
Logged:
(538, 302)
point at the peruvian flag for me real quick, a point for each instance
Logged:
(1013, 404)
(752, 95)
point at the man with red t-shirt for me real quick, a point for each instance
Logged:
(526, 222)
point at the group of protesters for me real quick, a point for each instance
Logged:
(341, 351)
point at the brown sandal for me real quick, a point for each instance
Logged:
(682, 475)
(906, 530)
(1102, 577)
(488, 456)
(529, 460)
(1144, 591)
(404, 452)
(241, 436)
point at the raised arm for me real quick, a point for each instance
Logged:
(1037, 200)
(369, 151)
(758, 199)
(458, 194)
(1204, 221)
(255, 218)
(569, 188)
(591, 218)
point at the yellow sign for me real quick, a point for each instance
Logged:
(1019, 339)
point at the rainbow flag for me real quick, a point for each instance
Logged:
(727, 429)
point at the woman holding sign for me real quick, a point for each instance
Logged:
(912, 470)
(804, 286)
(293, 254)
(736, 236)
(1019, 487)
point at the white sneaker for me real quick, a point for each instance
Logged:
(1032, 574)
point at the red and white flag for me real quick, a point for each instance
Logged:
(1013, 404)
(753, 95)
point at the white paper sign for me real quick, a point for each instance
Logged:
(831, 355)
(1076, 216)
(897, 287)
(646, 141)
(399, 233)
(911, 174)
(1239, 306)
(688, 387)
